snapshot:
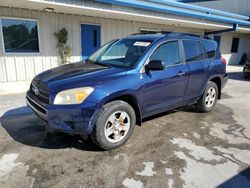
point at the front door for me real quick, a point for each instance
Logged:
(164, 89)
(90, 39)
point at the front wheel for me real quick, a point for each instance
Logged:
(209, 98)
(114, 125)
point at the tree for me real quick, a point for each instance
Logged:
(64, 51)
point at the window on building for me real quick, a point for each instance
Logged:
(169, 53)
(20, 36)
(235, 45)
(210, 47)
(193, 50)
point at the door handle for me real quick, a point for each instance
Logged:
(181, 73)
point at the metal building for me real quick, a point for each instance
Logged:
(91, 23)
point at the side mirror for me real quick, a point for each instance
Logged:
(155, 65)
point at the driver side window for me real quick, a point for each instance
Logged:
(169, 53)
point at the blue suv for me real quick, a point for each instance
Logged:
(127, 80)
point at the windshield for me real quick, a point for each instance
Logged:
(122, 53)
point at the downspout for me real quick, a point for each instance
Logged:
(234, 28)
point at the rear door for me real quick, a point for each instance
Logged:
(195, 59)
(213, 63)
(165, 88)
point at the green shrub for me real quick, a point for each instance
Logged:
(64, 51)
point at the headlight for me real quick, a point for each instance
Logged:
(73, 96)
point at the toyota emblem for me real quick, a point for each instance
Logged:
(35, 90)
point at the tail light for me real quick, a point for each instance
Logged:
(223, 60)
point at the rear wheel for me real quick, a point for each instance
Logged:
(209, 98)
(114, 125)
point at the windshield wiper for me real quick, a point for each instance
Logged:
(98, 63)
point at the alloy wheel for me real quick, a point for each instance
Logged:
(117, 126)
(210, 97)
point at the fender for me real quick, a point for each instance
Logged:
(211, 78)
(130, 97)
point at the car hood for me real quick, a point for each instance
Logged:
(76, 75)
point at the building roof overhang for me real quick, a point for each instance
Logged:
(156, 11)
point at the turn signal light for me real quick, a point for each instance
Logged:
(223, 60)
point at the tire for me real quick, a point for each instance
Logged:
(114, 125)
(209, 98)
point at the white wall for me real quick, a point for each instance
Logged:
(19, 67)
(226, 44)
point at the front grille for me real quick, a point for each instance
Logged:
(42, 91)
(39, 110)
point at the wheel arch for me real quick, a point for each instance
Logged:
(132, 101)
(217, 81)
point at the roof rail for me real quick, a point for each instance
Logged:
(188, 34)
(136, 34)
(145, 33)
(170, 33)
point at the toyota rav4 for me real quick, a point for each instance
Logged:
(127, 80)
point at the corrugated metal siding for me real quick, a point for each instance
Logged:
(238, 7)
(19, 67)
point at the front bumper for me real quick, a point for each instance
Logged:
(74, 119)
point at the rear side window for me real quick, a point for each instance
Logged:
(210, 47)
(193, 50)
(169, 53)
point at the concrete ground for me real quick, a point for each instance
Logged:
(180, 148)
